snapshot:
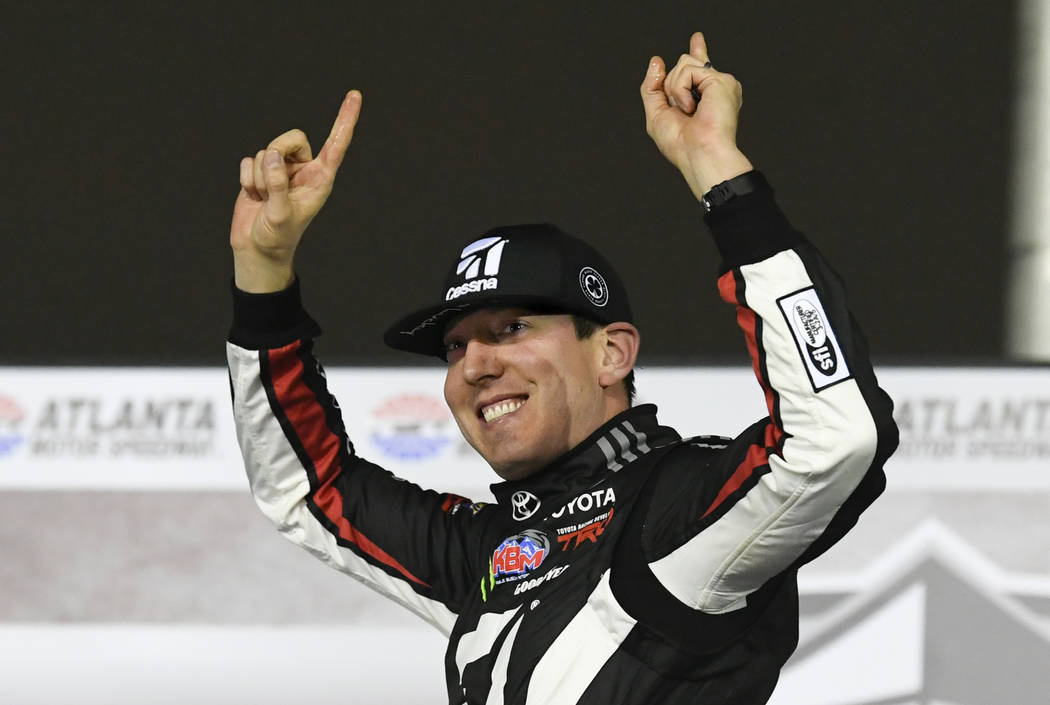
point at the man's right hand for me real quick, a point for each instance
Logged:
(282, 188)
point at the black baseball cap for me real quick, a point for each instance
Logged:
(530, 266)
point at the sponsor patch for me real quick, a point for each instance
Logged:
(471, 287)
(519, 555)
(523, 505)
(462, 504)
(453, 503)
(593, 286)
(572, 536)
(816, 341)
(515, 558)
(480, 258)
(487, 250)
(526, 585)
(586, 502)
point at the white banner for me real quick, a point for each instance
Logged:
(171, 428)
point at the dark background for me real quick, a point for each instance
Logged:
(885, 127)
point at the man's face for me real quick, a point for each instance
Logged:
(522, 387)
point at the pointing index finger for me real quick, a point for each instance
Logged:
(698, 47)
(331, 154)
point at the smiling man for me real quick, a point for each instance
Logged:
(538, 361)
(621, 563)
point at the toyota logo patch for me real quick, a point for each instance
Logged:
(523, 505)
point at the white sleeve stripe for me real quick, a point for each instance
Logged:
(829, 444)
(279, 484)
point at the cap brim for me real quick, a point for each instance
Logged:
(423, 331)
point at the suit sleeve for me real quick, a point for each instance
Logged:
(792, 484)
(410, 545)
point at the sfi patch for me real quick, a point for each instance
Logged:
(816, 341)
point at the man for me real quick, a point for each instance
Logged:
(620, 564)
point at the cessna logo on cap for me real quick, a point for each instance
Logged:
(487, 249)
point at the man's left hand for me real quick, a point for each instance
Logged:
(698, 137)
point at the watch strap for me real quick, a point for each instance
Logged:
(722, 193)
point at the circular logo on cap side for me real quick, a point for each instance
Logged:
(593, 286)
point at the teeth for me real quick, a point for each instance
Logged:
(495, 411)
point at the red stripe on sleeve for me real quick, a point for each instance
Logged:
(757, 456)
(746, 319)
(307, 417)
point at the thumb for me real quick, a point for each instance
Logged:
(653, 98)
(278, 204)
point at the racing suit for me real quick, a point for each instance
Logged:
(637, 568)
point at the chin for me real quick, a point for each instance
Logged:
(515, 469)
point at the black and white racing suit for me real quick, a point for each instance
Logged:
(637, 568)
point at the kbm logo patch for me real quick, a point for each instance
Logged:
(816, 341)
(520, 554)
(487, 250)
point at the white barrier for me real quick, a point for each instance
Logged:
(165, 428)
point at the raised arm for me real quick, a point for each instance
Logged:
(412, 545)
(725, 522)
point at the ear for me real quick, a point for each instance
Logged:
(620, 344)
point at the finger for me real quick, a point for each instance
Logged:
(293, 146)
(248, 179)
(334, 149)
(698, 47)
(680, 83)
(654, 101)
(278, 204)
(259, 174)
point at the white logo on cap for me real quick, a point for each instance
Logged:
(593, 286)
(471, 257)
(489, 249)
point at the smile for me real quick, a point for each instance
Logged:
(501, 408)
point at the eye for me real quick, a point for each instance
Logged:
(514, 327)
(452, 346)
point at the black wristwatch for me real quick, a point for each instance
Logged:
(726, 191)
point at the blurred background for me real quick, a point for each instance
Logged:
(887, 129)
(134, 565)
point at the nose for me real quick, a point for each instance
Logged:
(480, 361)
